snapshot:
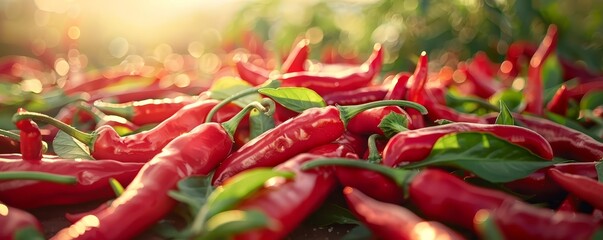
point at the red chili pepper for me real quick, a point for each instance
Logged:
(570, 204)
(14, 220)
(92, 181)
(357, 96)
(518, 220)
(249, 72)
(327, 82)
(74, 217)
(297, 57)
(348, 144)
(30, 139)
(312, 128)
(367, 122)
(583, 187)
(147, 111)
(390, 221)
(566, 142)
(398, 89)
(582, 89)
(415, 93)
(194, 153)
(289, 203)
(105, 142)
(480, 73)
(560, 102)
(415, 145)
(534, 89)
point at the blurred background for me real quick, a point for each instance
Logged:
(188, 44)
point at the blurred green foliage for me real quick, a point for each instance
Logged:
(449, 30)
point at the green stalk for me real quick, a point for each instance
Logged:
(215, 109)
(267, 106)
(348, 112)
(40, 176)
(119, 109)
(86, 138)
(374, 157)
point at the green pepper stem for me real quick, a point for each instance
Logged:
(40, 176)
(96, 114)
(374, 156)
(118, 189)
(15, 137)
(399, 176)
(266, 106)
(77, 134)
(119, 109)
(348, 112)
(244, 93)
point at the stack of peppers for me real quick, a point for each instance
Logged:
(392, 152)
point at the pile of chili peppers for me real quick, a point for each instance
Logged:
(473, 151)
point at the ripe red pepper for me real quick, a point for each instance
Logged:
(194, 153)
(357, 96)
(565, 142)
(560, 102)
(105, 142)
(14, 221)
(398, 89)
(312, 128)
(534, 88)
(297, 57)
(251, 73)
(480, 74)
(417, 86)
(570, 204)
(583, 187)
(582, 89)
(92, 181)
(147, 111)
(289, 203)
(415, 145)
(367, 122)
(30, 140)
(390, 221)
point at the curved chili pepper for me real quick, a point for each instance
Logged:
(313, 127)
(415, 145)
(570, 204)
(417, 81)
(583, 187)
(398, 89)
(560, 102)
(297, 57)
(582, 89)
(14, 220)
(249, 72)
(289, 203)
(565, 142)
(92, 181)
(534, 89)
(194, 153)
(30, 139)
(147, 111)
(357, 96)
(367, 122)
(326, 82)
(479, 73)
(105, 142)
(390, 221)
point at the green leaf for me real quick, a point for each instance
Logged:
(259, 123)
(295, 99)
(329, 214)
(230, 223)
(228, 86)
(28, 233)
(504, 117)
(512, 98)
(68, 147)
(360, 232)
(591, 100)
(485, 155)
(393, 123)
(552, 74)
(599, 167)
(194, 192)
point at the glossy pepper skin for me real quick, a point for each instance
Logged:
(566, 142)
(357, 96)
(289, 203)
(415, 145)
(367, 122)
(30, 140)
(92, 181)
(581, 186)
(13, 220)
(398, 89)
(560, 102)
(147, 111)
(297, 57)
(392, 222)
(193, 153)
(312, 128)
(534, 88)
(418, 80)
